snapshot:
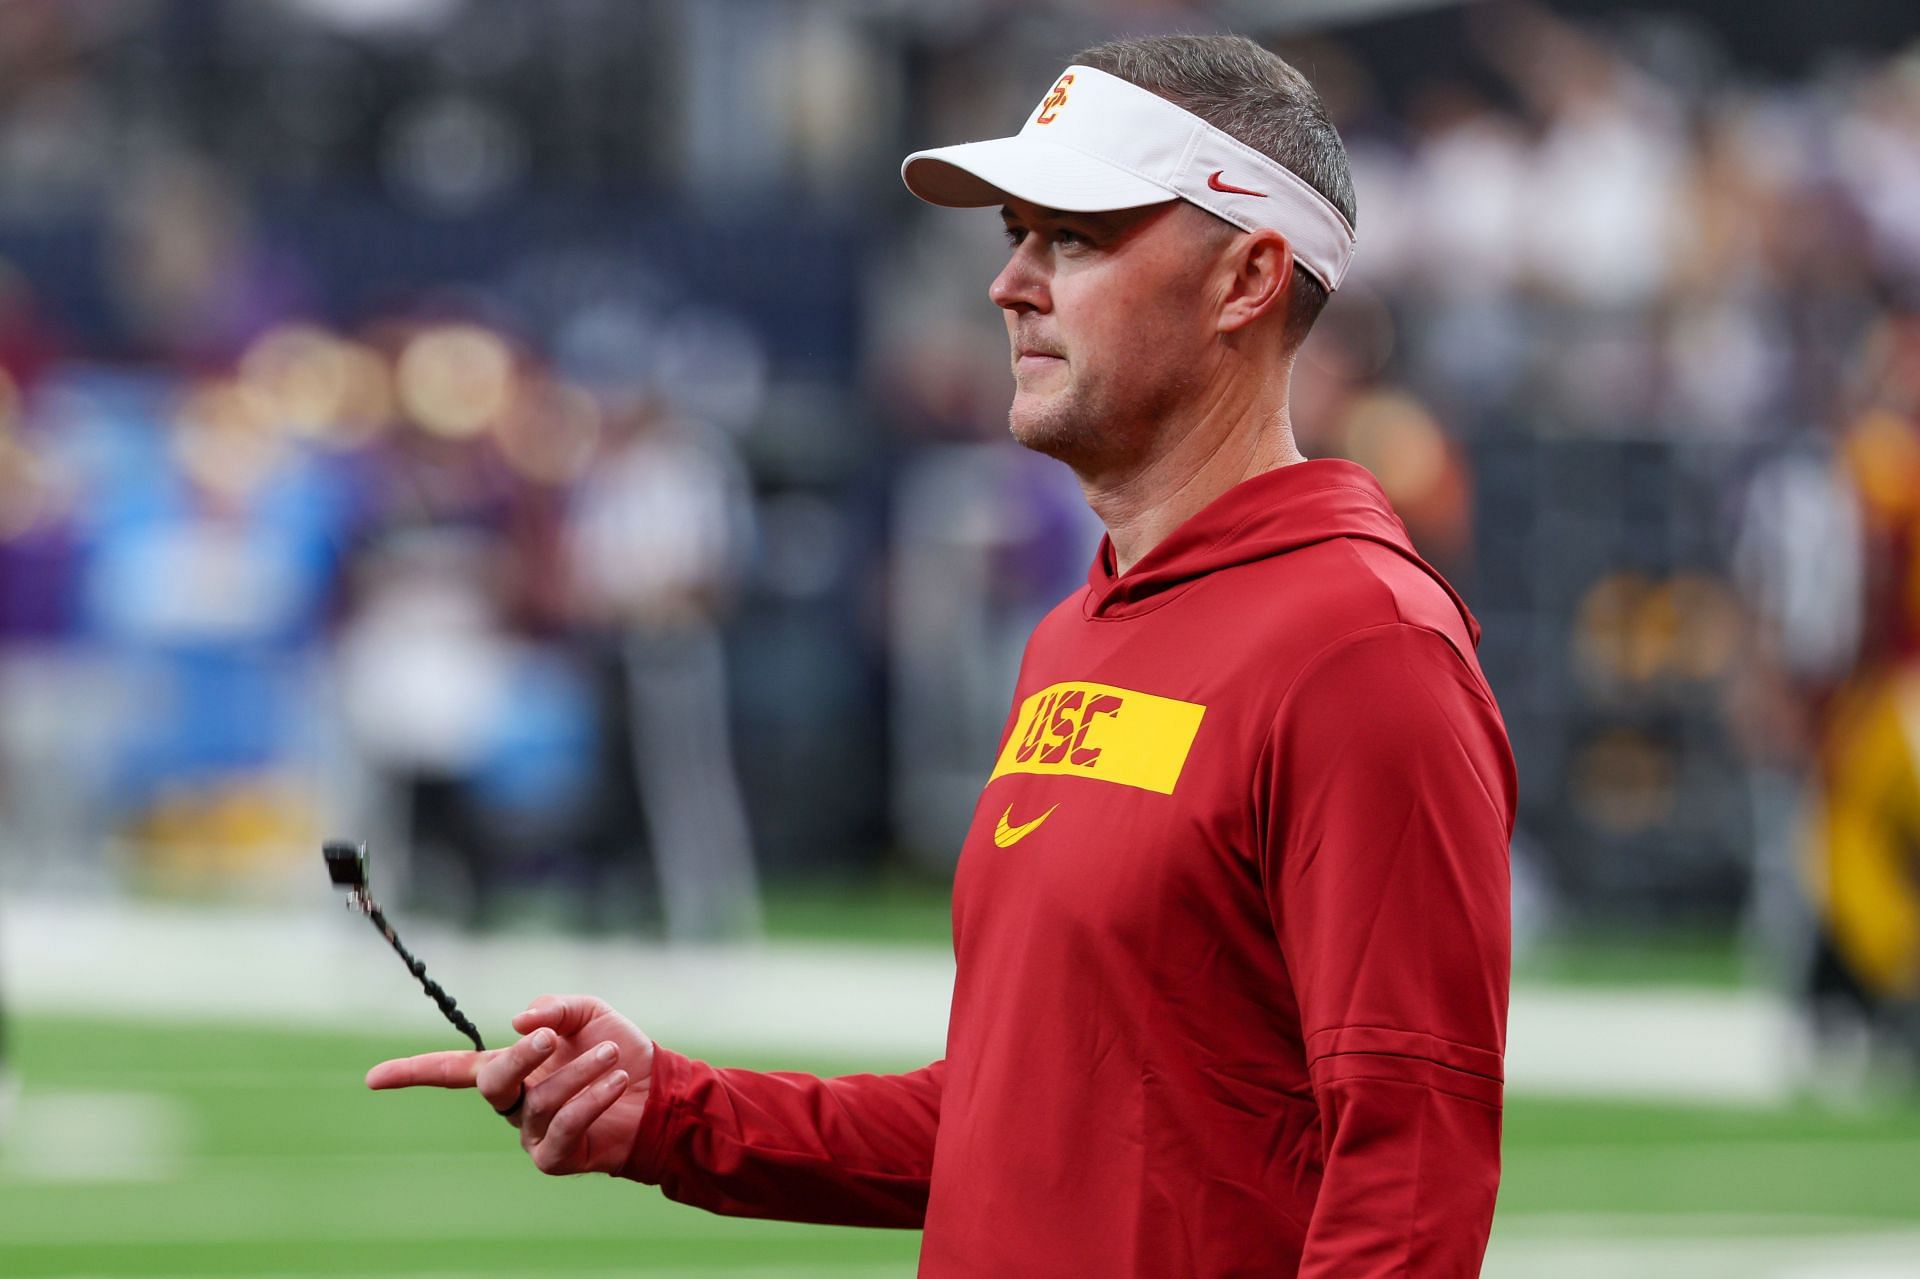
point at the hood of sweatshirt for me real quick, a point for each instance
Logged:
(1271, 514)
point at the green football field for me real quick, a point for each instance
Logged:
(209, 1150)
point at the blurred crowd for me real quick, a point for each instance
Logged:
(358, 467)
(227, 593)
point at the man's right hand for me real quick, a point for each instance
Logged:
(586, 1073)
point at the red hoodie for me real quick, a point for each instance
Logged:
(1231, 927)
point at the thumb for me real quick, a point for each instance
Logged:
(564, 1014)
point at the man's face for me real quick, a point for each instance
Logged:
(1111, 321)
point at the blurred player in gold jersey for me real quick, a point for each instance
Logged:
(1865, 846)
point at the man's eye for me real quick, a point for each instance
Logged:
(1016, 236)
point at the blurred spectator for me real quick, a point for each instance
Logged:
(1799, 563)
(451, 686)
(425, 671)
(206, 580)
(194, 281)
(657, 536)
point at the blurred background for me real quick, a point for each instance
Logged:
(547, 442)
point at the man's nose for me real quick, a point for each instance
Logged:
(1022, 282)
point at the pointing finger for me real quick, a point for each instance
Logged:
(452, 1069)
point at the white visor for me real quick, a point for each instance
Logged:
(1097, 142)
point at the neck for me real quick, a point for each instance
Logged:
(1200, 454)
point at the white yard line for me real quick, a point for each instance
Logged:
(326, 968)
(1890, 1255)
(1578, 1229)
(322, 967)
(94, 1136)
(1693, 1045)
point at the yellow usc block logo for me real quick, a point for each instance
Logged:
(1055, 99)
(1109, 734)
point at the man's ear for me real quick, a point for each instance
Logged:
(1262, 266)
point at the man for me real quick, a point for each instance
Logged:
(1231, 921)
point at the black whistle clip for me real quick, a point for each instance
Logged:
(347, 867)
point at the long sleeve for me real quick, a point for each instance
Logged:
(1392, 796)
(854, 1151)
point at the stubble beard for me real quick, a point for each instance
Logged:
(1060, 425)
(1082, 426)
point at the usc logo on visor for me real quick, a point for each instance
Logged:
(1055, 99)
(1108, 734)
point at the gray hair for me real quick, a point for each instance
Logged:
(1260, 99)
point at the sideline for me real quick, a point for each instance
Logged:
(325, 968)
(1889, 1255)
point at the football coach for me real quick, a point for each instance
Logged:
(1231, 921)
